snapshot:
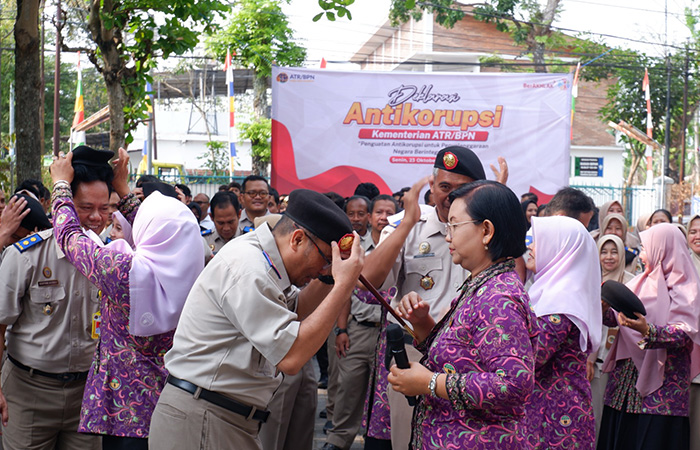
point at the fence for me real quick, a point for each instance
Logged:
(207, 184)
(636, 200)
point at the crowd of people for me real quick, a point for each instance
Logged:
(147, 317)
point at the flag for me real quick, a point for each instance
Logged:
(323, 63)
(228, 68)
(143, 165)
(574, 94)
(79, 107)
(647, 97)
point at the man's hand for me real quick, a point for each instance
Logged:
(13, 214)
(346, 272)
(342, 345)
(410, 201)
(502, 174)
(121, 174)
(61, 168)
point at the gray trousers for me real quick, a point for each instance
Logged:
(44, 413)
(354, 371)
(182, 422)
(292, 413)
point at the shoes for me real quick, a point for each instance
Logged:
(329, 446)
(323, 414)
(326, 427)
(323, 383)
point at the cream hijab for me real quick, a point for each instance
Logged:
(619, 274)
(694, 256)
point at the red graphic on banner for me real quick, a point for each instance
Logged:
(542, 198)
(340, 179)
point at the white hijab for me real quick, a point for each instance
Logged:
(567, 278)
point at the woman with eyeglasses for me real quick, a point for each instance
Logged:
(647, 396)
(565, 296)
(478, 365)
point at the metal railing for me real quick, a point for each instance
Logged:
(636, 200)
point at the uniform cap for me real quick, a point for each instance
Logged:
(460, 160)
(163, 188)
(36, 219)
(622, 299)
(318, 214)
(89, 156)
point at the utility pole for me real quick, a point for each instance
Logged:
(57, 83)
(681, 176)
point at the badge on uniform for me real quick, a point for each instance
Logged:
(47, 309)
(427, 282)
(96, 325)
(46, 272)
(424, 247)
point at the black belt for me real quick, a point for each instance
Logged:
(66, 377)
(367, 323)
(249, 412)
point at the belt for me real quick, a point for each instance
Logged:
(367, 323)
(249, 412)
(66, 377)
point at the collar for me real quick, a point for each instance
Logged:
(269, 246)
(433, 225)
(244, 217)
(47, 235)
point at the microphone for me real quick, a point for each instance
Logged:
(395, 348)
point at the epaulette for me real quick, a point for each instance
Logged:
(248, 230)
(206, 232)
(396, 223)
(528, 240)
(30, 241)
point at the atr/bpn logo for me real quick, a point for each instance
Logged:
(282, 77)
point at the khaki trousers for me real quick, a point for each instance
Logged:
(181, 422)
(401, 413)
(292, 413)
(353, 375)
(332, 376)
(44, 413)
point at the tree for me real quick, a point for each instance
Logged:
(258, 35)
(259, 133)
(125, 38)
(28, 92)
(527, 21)
(216, 157)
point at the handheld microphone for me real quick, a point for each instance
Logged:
(396, 348)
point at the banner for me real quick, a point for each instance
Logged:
(333, 130)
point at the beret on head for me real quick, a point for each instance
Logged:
(89, 156)
(318, 214)
(163, 188)
(36, 219)
(460, 160)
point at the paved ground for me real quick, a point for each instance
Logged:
(319, 437)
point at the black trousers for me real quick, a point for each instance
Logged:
(123, 443)
(625, 431)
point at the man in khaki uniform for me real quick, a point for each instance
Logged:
(356, 342)
(414, 256)
(253, 198)
(245, 321)
(53, 313)
(225, 210)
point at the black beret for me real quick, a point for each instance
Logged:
(36, 219)
(89, 156)
(460, 160)
(622, 299)
(318, 214)
(163, 188)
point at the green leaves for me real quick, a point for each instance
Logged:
(259, 133)
(333, 8)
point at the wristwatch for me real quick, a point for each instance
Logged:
(433, 384)
(339, 331)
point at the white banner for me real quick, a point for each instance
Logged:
(333, 130)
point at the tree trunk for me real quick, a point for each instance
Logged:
(538, 57)
(260, 97)
(30, 123)
(259, 167)
(117, 101)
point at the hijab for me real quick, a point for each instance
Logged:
(619, 274)
(603, 213)
(126, 227)
(567, 278)
(610, 218)
(694, 256)
(167, 259)
(669, 288)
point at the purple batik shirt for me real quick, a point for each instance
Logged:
(484, 345)
(127, 374)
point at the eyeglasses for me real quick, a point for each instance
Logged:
(325, 258)
(253, 194)
(450, 227)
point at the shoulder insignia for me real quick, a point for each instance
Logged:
(396, 223)
(206, 232)
(247, 230)
(30, 241)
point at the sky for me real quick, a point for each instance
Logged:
(642, 20)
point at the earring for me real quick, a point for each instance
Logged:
(486, 247)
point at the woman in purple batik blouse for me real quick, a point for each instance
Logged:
(142, 289)
(478, 366)
(565, 296)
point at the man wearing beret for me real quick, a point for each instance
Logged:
(245, 321)
(51, 308)
(23, 216)
(413, 256)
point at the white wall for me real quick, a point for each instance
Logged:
(613, 165)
